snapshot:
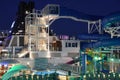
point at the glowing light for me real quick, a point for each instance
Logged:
(104, 75)
(48, 54)
(10, 31)
(114, 75)
(112, 59)
(4, 50)
(0, 42)
(26, 12)
(13, 24)
(119, 75)
(5, 65)
(84, 76)
(47, 25)
(98, 75)
(28, 63)
(97, 58)
(20, 30)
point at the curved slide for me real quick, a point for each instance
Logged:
(111, 20)
(101, 40)
(106, 21)
(79, 15)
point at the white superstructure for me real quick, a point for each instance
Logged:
(39, 47)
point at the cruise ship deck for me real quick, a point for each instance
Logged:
(39, 54)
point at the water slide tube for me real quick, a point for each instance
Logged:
(79, 15)
(106, 21)
(102, 40)
(111, 20)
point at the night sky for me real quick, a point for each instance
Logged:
(8, 9)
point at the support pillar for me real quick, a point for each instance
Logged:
(94, 26)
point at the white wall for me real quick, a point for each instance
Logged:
(67, 50)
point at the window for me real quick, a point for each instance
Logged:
(73, 45)
(69, 44)
(66, 44)
(76, 44)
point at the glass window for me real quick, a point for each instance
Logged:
(76, 44)
(73, 45)
(66, 44)
(69, 44)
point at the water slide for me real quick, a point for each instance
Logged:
(79, 15)
(101, 40)
(66, 13)
(106, 21)
(111, 20)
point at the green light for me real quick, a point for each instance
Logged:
(95, 58)
(112, 59)
(99, 58)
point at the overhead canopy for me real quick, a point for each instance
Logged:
(13, 70)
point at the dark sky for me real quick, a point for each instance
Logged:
(8, 9)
